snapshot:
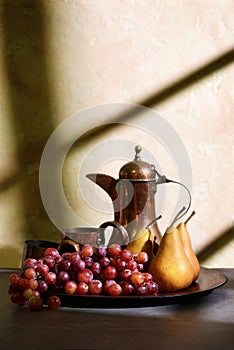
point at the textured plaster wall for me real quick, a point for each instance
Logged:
(58, 57)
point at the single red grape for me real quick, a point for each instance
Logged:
(66, 255)
(126, 275)
(65, 265)
(79, 265)
(74, 257)
(30, 262)
(82, 288)
(87, 250)
(115, 289)
(120, 264)
(137, 278)
(127, 288)
(107, 284)
(147, 277)
(28, 293)
(15, 297)
(14, 287)
(14, 278)
(141, 290)
(51, 277)
(110, 272)
(142, 257)
(70, 287)
(88, 261)
(85, 276)
(152, 288)
(49, 261)
(53, 302)
(35, 303)
(96, 268)
(132, 265)
(63, 277)
(33, 284)
(95, 287)
(104, 261)
(115, 250)
(23, 284)
(30, 273)
(42, 269)
(42, 286)
(51, 252)
(126, 255)
(101, 251)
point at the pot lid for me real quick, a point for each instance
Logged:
(137, 169)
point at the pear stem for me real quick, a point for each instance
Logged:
(153, 221)
(192, 214)
(177, 216)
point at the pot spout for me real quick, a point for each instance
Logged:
(106, 182)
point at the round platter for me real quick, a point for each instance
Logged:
(208, 280)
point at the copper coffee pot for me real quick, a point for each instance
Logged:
(133, 195)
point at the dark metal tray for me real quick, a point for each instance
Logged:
(209, 279)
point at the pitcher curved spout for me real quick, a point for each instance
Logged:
(108, 184)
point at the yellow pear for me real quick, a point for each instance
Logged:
(170, 267)
(143, 243)
(186, 241)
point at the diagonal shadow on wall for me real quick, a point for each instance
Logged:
(29, 106)
(219, 243)
(167, 92)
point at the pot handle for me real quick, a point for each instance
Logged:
(162, 179)
(119, 236)
(189, 195)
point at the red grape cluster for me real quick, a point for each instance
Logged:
(107, 271)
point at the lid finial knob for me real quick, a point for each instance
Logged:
(138, 151)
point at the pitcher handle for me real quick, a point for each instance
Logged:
(121, 239)
(189, 195)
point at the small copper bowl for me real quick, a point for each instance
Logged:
(36, 248)
(74, 238)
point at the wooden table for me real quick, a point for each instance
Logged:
(205, 323)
